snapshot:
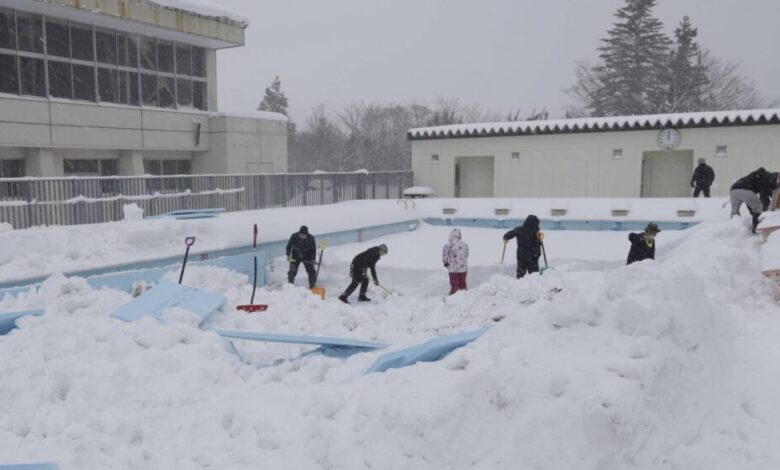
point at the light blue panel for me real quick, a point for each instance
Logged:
(167, 295)
(295, 339)
(124, 281)
(431, 350)
(389, 229)
(30, 466)
(8, 320)
(549, 224)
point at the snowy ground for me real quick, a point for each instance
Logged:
(670, 364)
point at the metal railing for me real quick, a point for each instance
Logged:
(26, 202)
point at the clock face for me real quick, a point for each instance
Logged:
(668, 139)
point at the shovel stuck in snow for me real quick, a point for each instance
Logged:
(320, 291)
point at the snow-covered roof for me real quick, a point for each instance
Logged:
(600, 124)
(202, 8)
(265, 115)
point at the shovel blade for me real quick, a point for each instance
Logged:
(252, 308)
(320, 291)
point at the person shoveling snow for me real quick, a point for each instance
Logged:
(358, 272)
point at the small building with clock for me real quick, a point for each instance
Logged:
(625, 156)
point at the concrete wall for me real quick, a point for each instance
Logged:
(582, 164)
(245, 145)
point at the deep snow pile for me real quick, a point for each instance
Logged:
(669, 364)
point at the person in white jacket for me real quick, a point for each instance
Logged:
(455, 256)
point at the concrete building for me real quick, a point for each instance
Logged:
(631, 156)
(124, 87)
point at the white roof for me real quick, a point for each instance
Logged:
(600, 124)
(252, 114)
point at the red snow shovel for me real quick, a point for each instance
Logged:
(252, 307)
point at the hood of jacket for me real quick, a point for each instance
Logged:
(455, 234)
(531, 223)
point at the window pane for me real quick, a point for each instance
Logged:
(128, 50)
(134, 100)
(148, 54)
(81, 42)
(9, 78)
(12, 168)
(185, 167)
(170, 167)
(199, 98)
(183, 59)
(109, 167)
(83, 82)
(30, 32)
(198, 61)
(81, 167)
(33, 79)
(107, 85)
(184, 92)
(166, 95)
(7, 29)
(106, 46)
(149, 89)
(60, 80)
(152, 167)
(57, 38)
(165, 56)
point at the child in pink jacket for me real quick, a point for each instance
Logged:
(455, 257)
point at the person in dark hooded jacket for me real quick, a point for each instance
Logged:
(302, 248)
(529, 245)
(358, 272)
(702, 179)
(643, 244)
(755, 191)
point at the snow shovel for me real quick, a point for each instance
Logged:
(189, 242)
(319, 290)
(252, 307)
(503, 252)
(385, 290)
(540, 236)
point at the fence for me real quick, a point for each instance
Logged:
(25, 202)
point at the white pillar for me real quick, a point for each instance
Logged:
(41, 162)
(131, 162)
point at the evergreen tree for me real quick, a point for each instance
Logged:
(687, 77)
(274, 99)
(634, 60)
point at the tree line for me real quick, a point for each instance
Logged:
(640, 70)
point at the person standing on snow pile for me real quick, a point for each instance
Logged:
(755, 190)
(302, 249)
(643, 244)
(702, 178)
(529, 245)
(455, 256)
(358, 271)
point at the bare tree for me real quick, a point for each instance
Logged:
(727, 89)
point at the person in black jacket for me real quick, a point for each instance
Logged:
(643, 244)
(755, 191)
(529, 245)
(301, 248)
(358, 271)
(702, 179)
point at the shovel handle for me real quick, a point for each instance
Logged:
(254, 237)
(189, 241)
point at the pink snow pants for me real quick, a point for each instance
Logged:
(457, 282)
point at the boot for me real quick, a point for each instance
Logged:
(344, 299)
(363, 298)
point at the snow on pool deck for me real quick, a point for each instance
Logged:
(664, 364)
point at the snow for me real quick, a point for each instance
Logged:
(653, 121)
(661, 364)
(418, 191)
(252, 114)
(203, 8)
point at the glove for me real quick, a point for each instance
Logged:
(376, 282)
(506, 241)
(446, 265)
(290, 260)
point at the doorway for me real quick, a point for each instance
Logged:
(474, 177)
(667, 173)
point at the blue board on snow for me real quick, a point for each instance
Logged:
(191, 213)
(8, 320)
(167, 295)
(29, 466)
(294, 339)
(431, 350)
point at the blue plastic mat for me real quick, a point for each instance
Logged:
(431, 350)
(167, 295)
(294, 339)
(8, 320)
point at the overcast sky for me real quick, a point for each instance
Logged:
(501, 54)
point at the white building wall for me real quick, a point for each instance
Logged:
(582, 164)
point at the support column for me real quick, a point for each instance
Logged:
(41, 162)
(131, 162)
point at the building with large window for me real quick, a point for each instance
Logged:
(124, 87)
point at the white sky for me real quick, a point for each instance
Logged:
(501, 54)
